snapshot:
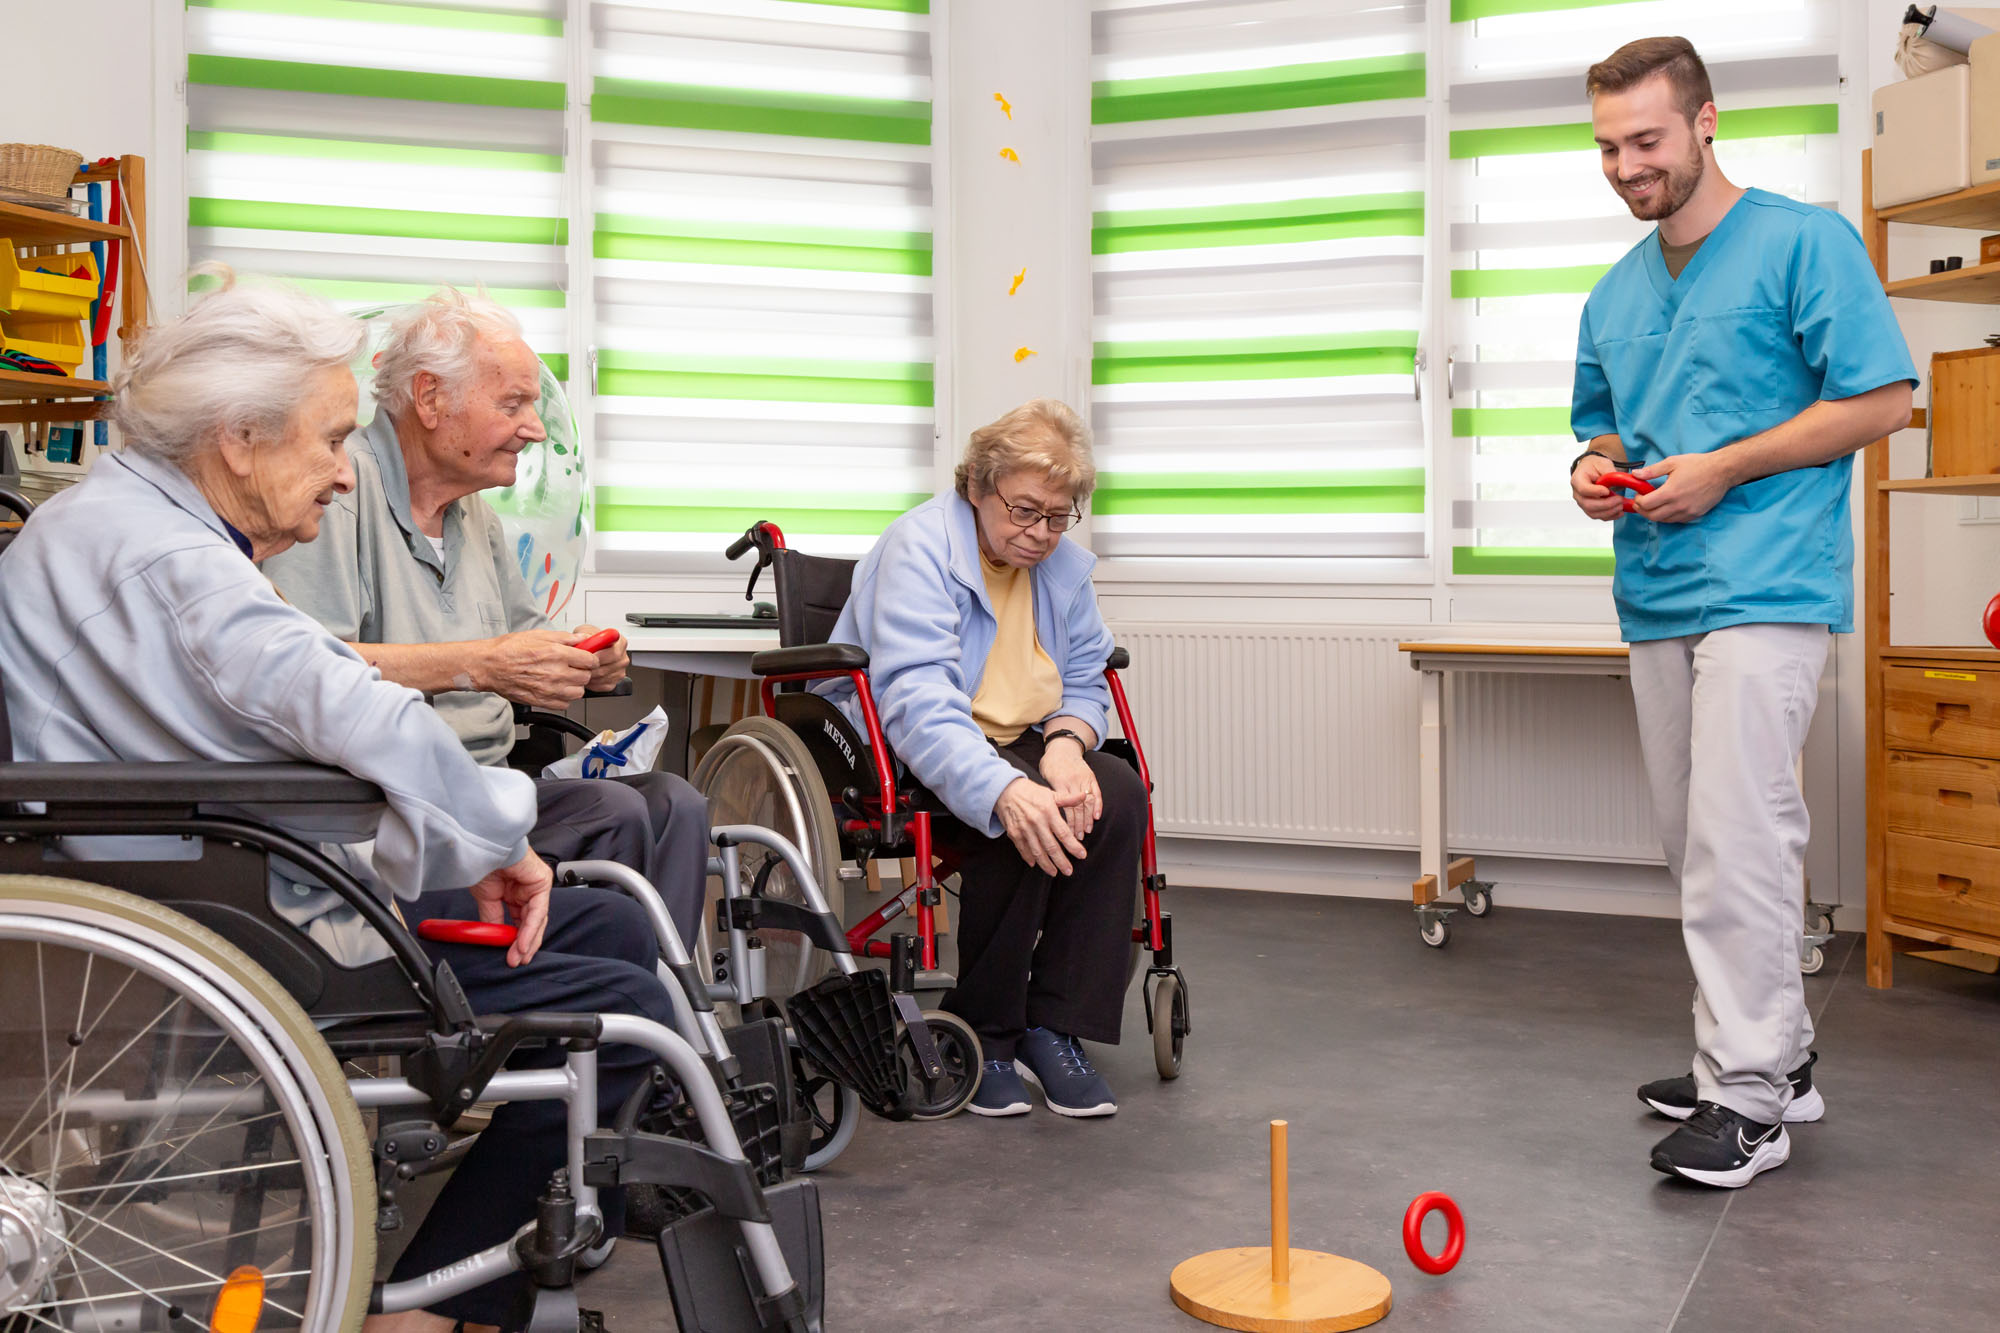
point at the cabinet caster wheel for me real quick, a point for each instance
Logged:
(1435, 933)
(1478, 899)
(1814, 960)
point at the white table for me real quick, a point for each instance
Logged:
(1437, 872)
(699, 652)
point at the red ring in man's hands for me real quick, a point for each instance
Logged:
(599, 641)
(1625, 481)
(493, 933)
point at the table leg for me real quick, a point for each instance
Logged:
(1430, 792)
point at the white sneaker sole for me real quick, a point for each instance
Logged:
(1773, 1152)
(1073, 1112)
(1803, 1109)
(998, 1112)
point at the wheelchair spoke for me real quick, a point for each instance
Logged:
(69, 1065)
(214, 1279)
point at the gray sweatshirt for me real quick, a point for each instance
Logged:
(132, 627)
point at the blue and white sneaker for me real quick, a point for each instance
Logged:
(1057, 1065)
(1001, 1091)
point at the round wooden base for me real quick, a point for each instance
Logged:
(1233, 1289)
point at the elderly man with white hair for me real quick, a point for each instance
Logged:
(134, 626)
(413, 571)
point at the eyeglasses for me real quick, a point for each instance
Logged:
(1027, 516)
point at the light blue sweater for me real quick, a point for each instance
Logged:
(920, 609)
(132, 628)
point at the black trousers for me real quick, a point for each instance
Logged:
(1048, 951)
(653, 822)
(596, 957)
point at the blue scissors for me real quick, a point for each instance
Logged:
(599, 757)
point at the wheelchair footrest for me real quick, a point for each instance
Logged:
(846, 1026)
(758, 1112)
(935, 978)
(714, 1285)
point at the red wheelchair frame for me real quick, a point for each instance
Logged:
(885, 819)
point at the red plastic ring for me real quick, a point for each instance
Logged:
(493, 933)
(599, 641)
(1625, 481)
(1422, 1207)
(1993, 621)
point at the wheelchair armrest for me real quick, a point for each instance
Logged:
(199, 782)
(833, 659)
(1118, 661)
(622, 690)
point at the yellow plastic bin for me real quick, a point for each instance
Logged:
(57, 340)
(42, 285)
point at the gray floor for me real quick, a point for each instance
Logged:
(1499, 1070)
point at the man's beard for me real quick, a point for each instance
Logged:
(1674, 191)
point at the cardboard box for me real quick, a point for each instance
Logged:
(1922, 130)
(1965, 413)
(1983, 108)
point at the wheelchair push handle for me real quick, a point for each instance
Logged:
(1625, 481)
(767, 538)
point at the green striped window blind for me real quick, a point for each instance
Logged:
(1533, 225)
(371, 149)
(1258, 255)
(761, 185)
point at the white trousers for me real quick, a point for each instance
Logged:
(1722, 719)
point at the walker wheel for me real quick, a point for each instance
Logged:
(958, 1049)
(1435, 933)
(1478, 898)
(1814, 960)
(1170, 1024)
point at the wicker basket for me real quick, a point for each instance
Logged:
(38, 168)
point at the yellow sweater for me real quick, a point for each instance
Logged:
(1022, 685)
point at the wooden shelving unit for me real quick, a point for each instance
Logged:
(41, 398)
(1933, 712)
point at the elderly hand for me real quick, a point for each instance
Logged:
(1700, 481)
(1600, 502)
(1034, 820)
(1069, 774)
(522, 890)
(612, 662)
(537, 667)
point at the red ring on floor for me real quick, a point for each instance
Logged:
(1422, 1207)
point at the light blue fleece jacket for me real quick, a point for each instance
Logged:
(920, 609)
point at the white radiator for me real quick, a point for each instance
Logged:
(1308, 734)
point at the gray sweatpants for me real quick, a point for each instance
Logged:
(656, 823)
(1722, 719)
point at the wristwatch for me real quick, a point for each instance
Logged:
(1061, 732)
(1589, 453)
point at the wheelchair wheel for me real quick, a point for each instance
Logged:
(761, 773)
(958, 1051)
(168, 1114)
(1169, 1014)
(835, 1110)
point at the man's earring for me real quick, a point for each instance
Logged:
(1709, 139)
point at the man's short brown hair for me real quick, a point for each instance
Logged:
(1635, 62)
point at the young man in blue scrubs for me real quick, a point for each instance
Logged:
(1735, 358)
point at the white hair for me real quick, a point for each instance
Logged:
(440, 334)
(238, 360)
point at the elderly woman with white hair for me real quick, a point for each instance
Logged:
(415, 573)
(986, 657)
(135, 627)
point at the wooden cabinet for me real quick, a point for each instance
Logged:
(1933, 712)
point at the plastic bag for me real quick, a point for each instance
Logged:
(616, 754)
(1917, 54)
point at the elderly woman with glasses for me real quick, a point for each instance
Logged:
(987, 655)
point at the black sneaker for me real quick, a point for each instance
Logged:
(1674, 1098)
(1717, 1146)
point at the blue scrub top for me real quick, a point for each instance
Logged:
(1778, 309)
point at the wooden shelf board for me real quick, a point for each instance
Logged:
(1954, 939)
(1988, 485)
(1978, 207)
(34, 226)
(1902, 653)
(1972, 286)
(19, 386)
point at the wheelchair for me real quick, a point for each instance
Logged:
(193, 1130)
(836, 794)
